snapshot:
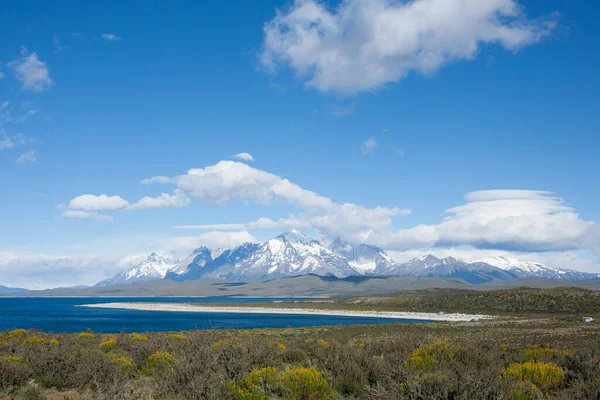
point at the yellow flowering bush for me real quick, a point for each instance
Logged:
(54, 342)
(121, 360)
(85, 335)
(139, 337)
(34, 341)
(545, 375)
(177, 336)
(297, 383)
(281, 346)
(158, 361)
(426, 356)
(108, 345)
(17, 333)
(536, 353)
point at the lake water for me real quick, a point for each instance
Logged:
(62, 315)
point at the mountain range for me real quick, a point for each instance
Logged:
(295, 254)
(7, 290)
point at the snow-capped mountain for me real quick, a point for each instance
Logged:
(450, 267)
(293, 253)
(193, 263)
(289, 254)
(364, 259)
(533, 269)
(154, 267)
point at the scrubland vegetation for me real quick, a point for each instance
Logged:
(520, 301)
(535, 359)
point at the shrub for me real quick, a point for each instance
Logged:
(294, 384)
(85, 335)
(177, 336)
(138, 337)
(427, 356)
(121, 360)
(54, 342)
(34, 341)
(11, 359)
(536, 353)
(17, 333)
(281, 346)
(544, 375)
(524, 391)
(158, 361)
(108, 345)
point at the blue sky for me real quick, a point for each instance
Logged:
(397, 109)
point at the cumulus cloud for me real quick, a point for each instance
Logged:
(243, 156)
(363, 44)
(368, 146)
(515, 220)
(90, 202)
(213, 240)
(32, 72)
(503, 219)
(165, 200)
(111, 37)
(27, 157)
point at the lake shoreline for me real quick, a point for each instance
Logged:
(404, 315)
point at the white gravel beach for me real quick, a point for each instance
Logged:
(174, 307)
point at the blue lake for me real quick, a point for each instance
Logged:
(62, 315)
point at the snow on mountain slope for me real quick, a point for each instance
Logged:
(154, 267)
(450, 267)
(293, 253)
(364, 259)
(289, 254)
(533, 269)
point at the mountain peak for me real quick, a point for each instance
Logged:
(294, 237)
(430, 259)
(159, 256)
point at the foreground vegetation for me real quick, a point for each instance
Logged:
(538, 359)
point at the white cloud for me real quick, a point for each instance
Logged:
(243, 156)
(32, 72)
(42, 271)
(516, 220)
(111, 37)
(363, 44)
(90, 202)
(28, 157)
(213, 240)
(165, 200)
(522, 220)
(368, 146)
(157, 179)
(76, 214)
